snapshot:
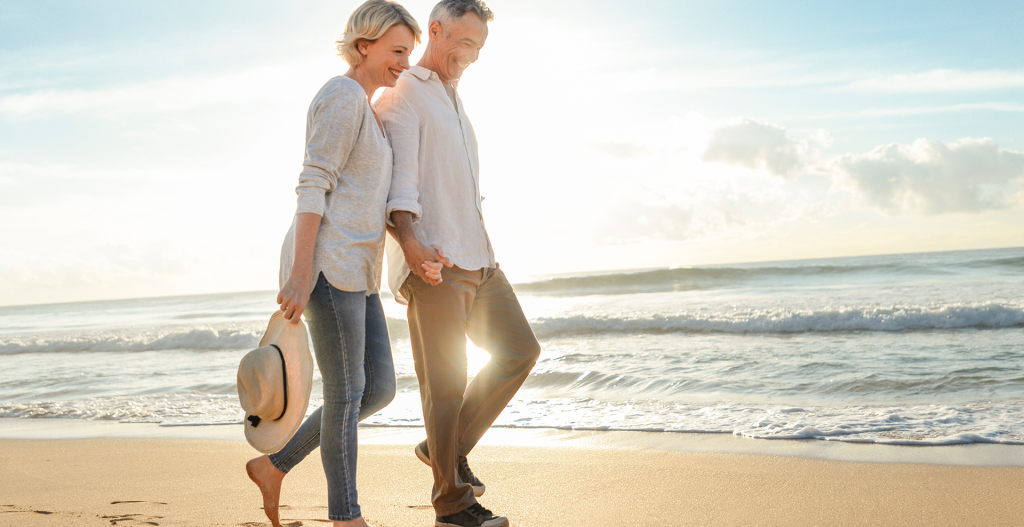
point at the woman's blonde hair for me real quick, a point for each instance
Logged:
(369, 22)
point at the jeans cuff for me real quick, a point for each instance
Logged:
(278, 464)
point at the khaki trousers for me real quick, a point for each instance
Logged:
(482, 305)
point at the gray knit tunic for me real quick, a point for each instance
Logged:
(346, 175)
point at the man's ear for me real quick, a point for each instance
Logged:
(434, 31)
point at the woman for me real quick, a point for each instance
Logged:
(332, 255)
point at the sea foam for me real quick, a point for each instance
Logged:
(1001, 423)
(121, 340)
(201, 337)
(765, 321)
(768, 321)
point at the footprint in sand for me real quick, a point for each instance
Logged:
(128, 519)
(15, 508)
(132, 519)
(285, 521)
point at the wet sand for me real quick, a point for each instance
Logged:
(119, 481)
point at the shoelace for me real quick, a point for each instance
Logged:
(479, 511)
(464, 466)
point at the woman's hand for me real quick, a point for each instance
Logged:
(293, 297)
(432, 271)
(295, 292)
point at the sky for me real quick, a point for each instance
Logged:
(152, 148)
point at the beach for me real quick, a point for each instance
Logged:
(882, 390)
(560, 480)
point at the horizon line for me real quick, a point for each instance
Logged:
(541, 277)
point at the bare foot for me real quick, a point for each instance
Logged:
(358, 522)
(268, 478)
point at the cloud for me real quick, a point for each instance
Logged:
(941, 81)
(23, 172)
(915, 110)
(926, 177)
(631, 221)
(622, 150)
(756, 145)
(92, 265)
(262, 84)
(930, 177)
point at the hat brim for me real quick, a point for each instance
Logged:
(271, 435)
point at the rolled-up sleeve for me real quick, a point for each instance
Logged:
(332, 128)
(403, 128)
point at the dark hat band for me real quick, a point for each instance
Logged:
(255, 419)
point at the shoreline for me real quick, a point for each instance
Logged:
(972, 454)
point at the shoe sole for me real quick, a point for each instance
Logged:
(500, 521)
(421, 456)
(477, 491)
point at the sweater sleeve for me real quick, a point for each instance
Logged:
(332, 127)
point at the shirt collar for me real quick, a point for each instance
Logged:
(421, 73)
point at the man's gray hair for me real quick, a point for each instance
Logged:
(448, 10)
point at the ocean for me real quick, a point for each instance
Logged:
(911, 349)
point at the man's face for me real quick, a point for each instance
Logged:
(457, 45)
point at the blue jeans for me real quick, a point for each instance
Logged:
(353, 352)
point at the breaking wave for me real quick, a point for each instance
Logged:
(780, 321)
(202, 338)
(891, 318)
(705, 278)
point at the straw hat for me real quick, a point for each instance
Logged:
(274, 382)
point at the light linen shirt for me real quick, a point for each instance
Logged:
(436, 173)
(345, 178)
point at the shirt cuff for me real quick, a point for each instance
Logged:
(406, 205)
(312, 199)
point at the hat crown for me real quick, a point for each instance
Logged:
(261, 388)
(274, 383)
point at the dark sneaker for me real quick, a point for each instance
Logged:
(464, 472)
(423, 453)
(474, 516)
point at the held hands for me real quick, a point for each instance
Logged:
(293, 297)
(424, 261)
(431, 260)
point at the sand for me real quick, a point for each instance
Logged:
(202, 482)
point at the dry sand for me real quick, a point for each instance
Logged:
(203, 482)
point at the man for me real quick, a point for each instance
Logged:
(434, 211)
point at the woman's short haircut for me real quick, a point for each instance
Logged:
(447, 10)
(369, 22)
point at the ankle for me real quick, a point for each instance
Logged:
(265, 466)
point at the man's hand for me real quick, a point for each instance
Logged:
(424, 261)
(430, 259)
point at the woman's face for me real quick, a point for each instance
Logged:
(387, 57)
